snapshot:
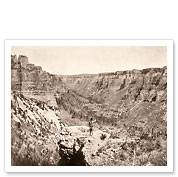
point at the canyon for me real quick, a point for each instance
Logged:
(129, 109)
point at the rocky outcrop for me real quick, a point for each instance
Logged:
(28, 77)
(35, 131)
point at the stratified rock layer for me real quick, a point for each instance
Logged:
(28, 77)
(111, 88)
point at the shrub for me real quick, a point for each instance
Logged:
(103, 136)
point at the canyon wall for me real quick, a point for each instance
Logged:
(112, 88)
(28, 77)
(105, 96)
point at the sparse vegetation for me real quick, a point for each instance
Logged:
(103, 136)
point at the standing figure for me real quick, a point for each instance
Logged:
(91, 126)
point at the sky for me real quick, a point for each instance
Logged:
(70, 60)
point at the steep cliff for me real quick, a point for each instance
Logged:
(114, 88)
(28, 77)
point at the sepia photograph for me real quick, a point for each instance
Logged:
(89, 103)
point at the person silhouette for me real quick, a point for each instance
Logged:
(91, 126)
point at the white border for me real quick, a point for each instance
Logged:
(10, 43)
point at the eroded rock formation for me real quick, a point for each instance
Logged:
(28, 77)
(149, 84)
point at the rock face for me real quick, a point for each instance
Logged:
(112, 88)
(28, 77)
